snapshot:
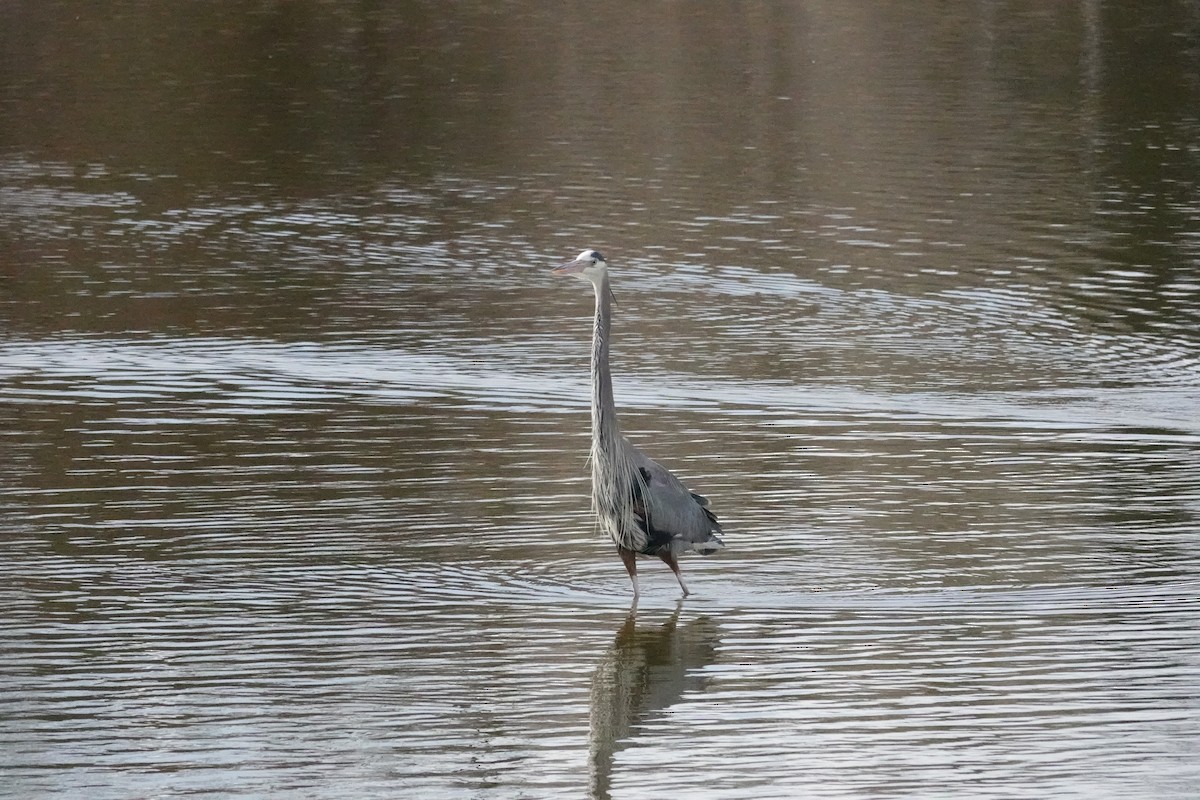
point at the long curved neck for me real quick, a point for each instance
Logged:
(604, 408)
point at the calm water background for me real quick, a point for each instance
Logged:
(294, 419)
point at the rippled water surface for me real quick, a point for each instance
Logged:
(294, 418)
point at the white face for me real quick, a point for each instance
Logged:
(588, 265)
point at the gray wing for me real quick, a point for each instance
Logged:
(672, 514)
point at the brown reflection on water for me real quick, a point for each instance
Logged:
(294, 421)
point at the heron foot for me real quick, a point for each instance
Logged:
(670, 560)
(629, 559)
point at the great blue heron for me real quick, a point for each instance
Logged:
(640, 504)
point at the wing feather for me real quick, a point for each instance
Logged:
(673, 516)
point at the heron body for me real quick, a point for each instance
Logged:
(642, 506)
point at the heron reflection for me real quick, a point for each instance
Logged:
(647, 670)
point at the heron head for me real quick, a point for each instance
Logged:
(588, 265)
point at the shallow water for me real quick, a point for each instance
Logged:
(295, 418)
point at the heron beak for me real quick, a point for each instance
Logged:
(569, 268)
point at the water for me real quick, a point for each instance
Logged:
(295, 419)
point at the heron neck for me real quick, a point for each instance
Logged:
(604, 409)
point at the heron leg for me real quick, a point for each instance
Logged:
(669, 559)
(629, 559)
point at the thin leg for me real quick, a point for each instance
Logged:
(669, 559)
(629, 559)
